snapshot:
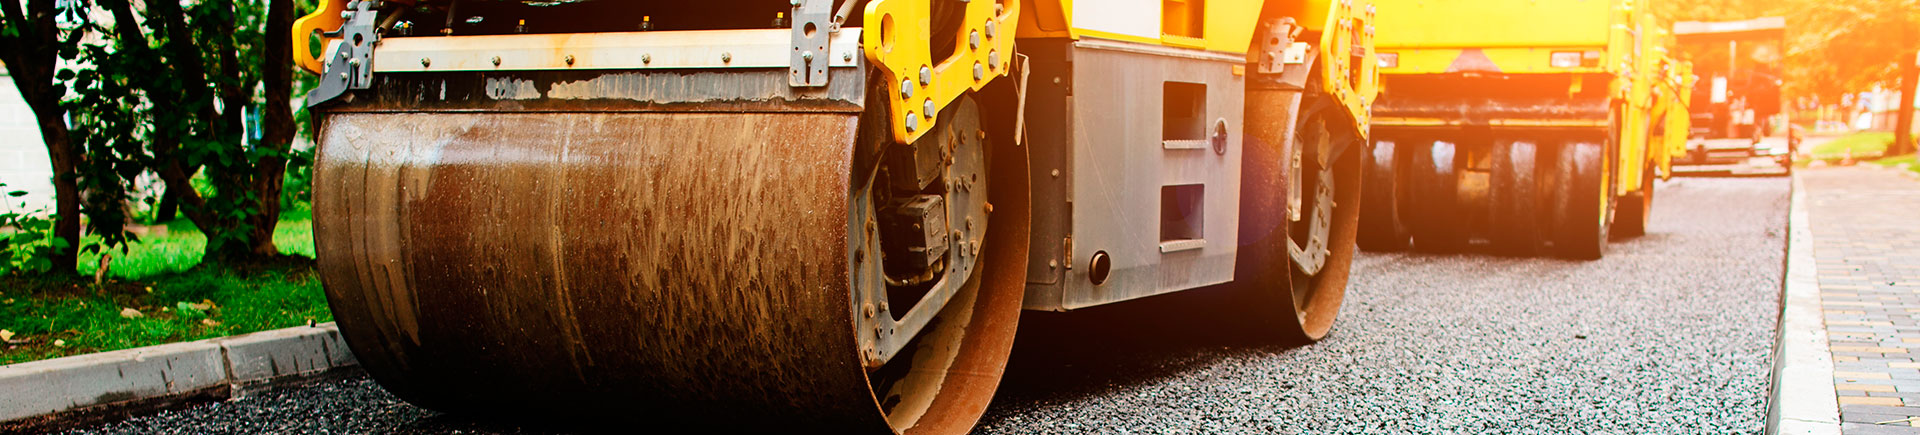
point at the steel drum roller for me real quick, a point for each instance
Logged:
(677, 267)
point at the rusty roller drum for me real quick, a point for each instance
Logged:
(671, 268)
(1290, 275)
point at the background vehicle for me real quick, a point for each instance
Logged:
(1532, 124)
(822, 215)
(1739, 93)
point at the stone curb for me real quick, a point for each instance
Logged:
(1803, 399)
(101, 384)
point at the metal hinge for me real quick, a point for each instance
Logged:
(351, 64)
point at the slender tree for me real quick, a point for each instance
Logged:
(32, 41)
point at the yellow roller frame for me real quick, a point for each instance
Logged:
(897, 40)
(326, 19)
(1349, 28)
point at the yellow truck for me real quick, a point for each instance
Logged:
(814, 216)
(1535, 125)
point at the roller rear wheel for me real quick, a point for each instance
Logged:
(675, 269)
(1381, 226)
(1582, 211)
(1636, 208)
(1514, 198)
(1440, 224)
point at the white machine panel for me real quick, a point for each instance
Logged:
(1127, 17)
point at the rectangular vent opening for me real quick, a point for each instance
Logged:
(1182, 216)
(1183, 115)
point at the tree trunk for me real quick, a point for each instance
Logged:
(66, 188)
(1903, 126)
(277, 125)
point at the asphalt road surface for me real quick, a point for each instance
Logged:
(1670, 333)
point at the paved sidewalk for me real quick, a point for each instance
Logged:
(1866, 243)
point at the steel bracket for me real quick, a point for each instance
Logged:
(813, 26)
(1277, 47)
(351, 65)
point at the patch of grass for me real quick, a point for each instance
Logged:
(176, 299)
(53, 318)
(1863, 145)
(178, 248)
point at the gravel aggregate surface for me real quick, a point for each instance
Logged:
(1670, 333)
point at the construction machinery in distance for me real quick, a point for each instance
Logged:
(1539, 126)
(1738, 118)
(814, 216)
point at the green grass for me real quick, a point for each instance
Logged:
(1863, 145)
(179, 248)
(57, 317)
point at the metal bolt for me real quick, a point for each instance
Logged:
(425, 62)
(569, 60)
(344, 55)
(883, 306)
(806, 57)
(912, 121)
(726, 57)
(353, 63)
(343, 76)
(1053, 264)
(973, 40)
(496, 61)
(867, 309)
(346, 14)
(847, 56)
(927, 108)
(646, 58)
(978, 71)
(906, 89)
(795, 3)
(993, 59)
(990, 29)
(926, 76)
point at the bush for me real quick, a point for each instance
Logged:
(28, 245)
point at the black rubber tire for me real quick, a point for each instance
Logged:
(1636, 209)
(1439, 224)
(1381, 226)
(1514, 199)
(1580, 211)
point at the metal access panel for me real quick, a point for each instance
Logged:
(1146, 200)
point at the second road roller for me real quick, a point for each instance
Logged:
(1539, 126)
(814, 216)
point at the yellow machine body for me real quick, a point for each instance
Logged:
(1480, 77)
(826, 217)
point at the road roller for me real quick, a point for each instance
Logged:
(1538, 127)
(813, 216)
